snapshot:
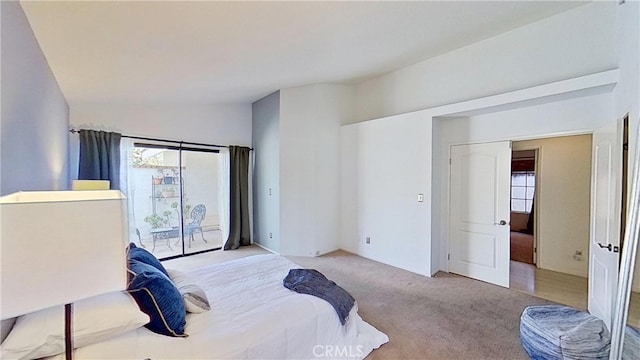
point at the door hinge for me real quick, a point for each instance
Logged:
(449, 161)
(448, 256)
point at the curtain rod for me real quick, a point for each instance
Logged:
(74, 131)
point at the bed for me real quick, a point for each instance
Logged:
(252, 316)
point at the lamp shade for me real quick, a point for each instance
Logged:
(57, 247)
(90, 184)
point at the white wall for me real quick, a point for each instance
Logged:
(209, 124)
(386, 163)
(562, 202)
(35, 115)
(296, 134)
(574, 43)
(577, 116)
(310, 118)
(266, 186)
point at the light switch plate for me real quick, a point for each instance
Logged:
(420, 197)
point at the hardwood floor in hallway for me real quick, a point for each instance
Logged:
(562, 288)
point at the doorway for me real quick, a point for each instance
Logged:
(522, 216)
(553, 230)
(557, 192)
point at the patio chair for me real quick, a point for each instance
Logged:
(195, 222)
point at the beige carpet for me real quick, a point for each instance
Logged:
(444, 317)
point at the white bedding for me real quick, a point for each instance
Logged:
(252, 316)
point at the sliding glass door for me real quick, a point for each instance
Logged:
(174, 192)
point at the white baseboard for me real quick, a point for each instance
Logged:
(265, 248)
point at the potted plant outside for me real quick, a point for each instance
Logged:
(157, 221)
(185, 212)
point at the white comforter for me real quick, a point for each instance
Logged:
(252, 316)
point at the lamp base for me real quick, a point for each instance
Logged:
(68, 337)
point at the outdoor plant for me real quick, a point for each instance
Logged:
(185, 213)
(158, 221)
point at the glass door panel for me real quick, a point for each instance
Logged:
(154, 187)
(200, 201)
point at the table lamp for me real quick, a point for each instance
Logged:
(57, 247)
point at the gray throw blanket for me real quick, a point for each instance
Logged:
(312, 282)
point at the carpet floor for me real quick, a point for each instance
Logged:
(442, 317)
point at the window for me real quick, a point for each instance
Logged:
(174, 192)
(523, 184)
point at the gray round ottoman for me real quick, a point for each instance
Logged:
(562, 332)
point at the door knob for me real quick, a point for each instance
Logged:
(502, 222)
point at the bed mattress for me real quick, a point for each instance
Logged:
(252, 316)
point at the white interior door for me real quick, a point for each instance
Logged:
(606, 204)
(479, 211)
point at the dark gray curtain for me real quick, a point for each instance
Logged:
(100, 157)
(239, 231)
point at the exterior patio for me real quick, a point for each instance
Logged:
(167, 245)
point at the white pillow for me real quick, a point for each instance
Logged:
(195, 299)
(95, 319)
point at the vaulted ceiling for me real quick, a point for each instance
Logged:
(237, 52)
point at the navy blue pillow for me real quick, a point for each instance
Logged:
(142, 255)
(158, 297)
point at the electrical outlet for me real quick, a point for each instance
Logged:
(577, 256)
(270, 235)
(367, 240)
